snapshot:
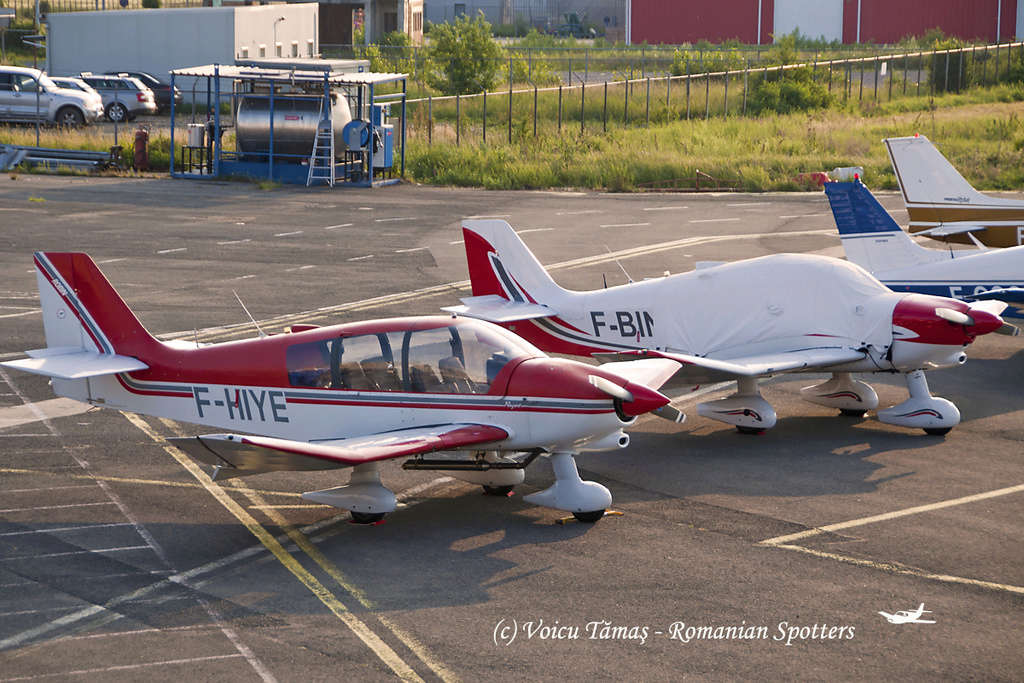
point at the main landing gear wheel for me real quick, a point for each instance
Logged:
(501, 491)
(937, 431)
(366, 517)
(749, 430)
(588, 517)
(847, 412)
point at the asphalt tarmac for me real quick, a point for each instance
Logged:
(735, 557)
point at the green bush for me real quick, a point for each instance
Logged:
(464, 57)
(784, 92)
(151, 4)
(694, 61)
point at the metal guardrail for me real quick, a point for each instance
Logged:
(12, 155)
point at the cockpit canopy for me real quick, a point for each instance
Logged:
(463, 356)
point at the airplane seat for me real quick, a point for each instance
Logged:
(353, 378)
(494, 365)
(422, 378)
(381, 374)
(454, 375)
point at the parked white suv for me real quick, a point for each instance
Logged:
(27, 94)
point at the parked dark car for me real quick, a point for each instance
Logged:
(161, 90)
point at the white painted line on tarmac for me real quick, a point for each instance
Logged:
(665, 208)
(406, 251)
(360, 258)
(778, 540)
(234, 242)
(625, 225)
(748, 204)
(119, 549)
(458, 242)
(714, 220)
(80, 527)
(43, 488)
(288, 234)
(497, 215)
(172, 251)
(41, 610)
(578, 213)
(112, 260)
(523, 232)
(339, 225)
(56, 507)
(292, 270)
(40, 410)
(19, 315)
(806, 215)
(243, 277)
(119, 667)
(392, 220)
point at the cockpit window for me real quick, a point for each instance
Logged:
(464, 358)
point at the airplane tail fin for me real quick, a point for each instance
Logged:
(926, 176)
(870, 237)
(89, 329)
(501, 264)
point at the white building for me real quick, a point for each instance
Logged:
(158, 40)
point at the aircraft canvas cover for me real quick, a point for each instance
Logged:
(733, 307)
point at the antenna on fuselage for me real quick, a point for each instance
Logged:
(255, 324)
(628, 278)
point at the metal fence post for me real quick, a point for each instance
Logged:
(604, 113)
(510, 100)
(647, 111)
(830, 76)
(485, 117)
(534, 111)
(458, 119)
(945, 80)
(707, 94)
(687, 90)
(876, 78)
(746, 84)
(860, 90)
(559, 107)
(906, 57)
(430, 119)
(726, 114)
(583, 95)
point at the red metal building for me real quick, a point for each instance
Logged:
(878, 21)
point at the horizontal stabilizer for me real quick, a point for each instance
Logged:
(256, 454)
(76, 364)
(497, 309)
(650, 372)
(950, 229)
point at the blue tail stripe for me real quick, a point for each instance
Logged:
(856, 210)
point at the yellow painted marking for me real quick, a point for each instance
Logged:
(903, 569)
(127, 480)
(288, 507)
(779, 540)
(371, 639)
(314, 553)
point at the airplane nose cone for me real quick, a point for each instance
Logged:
(984, 322)
(644, 400)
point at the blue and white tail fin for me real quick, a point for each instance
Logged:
(870, 236)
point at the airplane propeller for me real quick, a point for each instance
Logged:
(623, 395)
(986, 309)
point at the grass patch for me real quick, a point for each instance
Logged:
(982, 133)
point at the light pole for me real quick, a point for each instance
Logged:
(276, 22)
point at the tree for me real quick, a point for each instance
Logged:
(466, 58)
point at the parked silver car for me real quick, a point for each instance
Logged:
(124, 97)
(29, 95)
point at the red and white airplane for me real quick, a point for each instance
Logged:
(739, 321)
(349, 395)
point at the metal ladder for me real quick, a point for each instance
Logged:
(321, 161)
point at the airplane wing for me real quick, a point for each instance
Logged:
(497, 309)
(950, 229)
(236, 455)
(700, 370)
(1014, 294)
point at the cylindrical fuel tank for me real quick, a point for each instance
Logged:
(295, 121)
